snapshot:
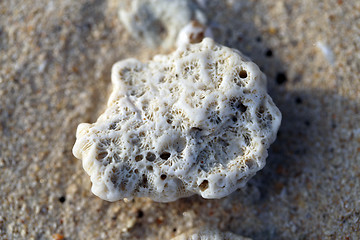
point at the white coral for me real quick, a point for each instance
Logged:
(196, 121)
(158, 22)
(208, 234)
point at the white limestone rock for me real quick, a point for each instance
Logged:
(197, 121)
(158, 22)
(208, 234)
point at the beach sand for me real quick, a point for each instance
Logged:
(55, 63)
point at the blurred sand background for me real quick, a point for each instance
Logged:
(55, 62)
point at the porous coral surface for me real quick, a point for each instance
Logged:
(196, 121)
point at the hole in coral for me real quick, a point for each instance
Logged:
(150, 157)
(138, 158)
(140, 214)
(112, 126)
(249, 163)
(237, 104)
(101, 155)
(163, 176)
(145, 106)
(261, 109)
(243, 74)
(195, 130)
(165, 155)
(150, 168)
(204, 185)
(144, 181)
(196, 38)
(241, 107)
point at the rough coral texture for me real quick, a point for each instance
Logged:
(196, 121)
(208, 234)
(158, 22)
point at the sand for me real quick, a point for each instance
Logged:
(55, 62)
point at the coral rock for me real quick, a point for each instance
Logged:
(197, 121)
(208, 234)
(158, 22)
